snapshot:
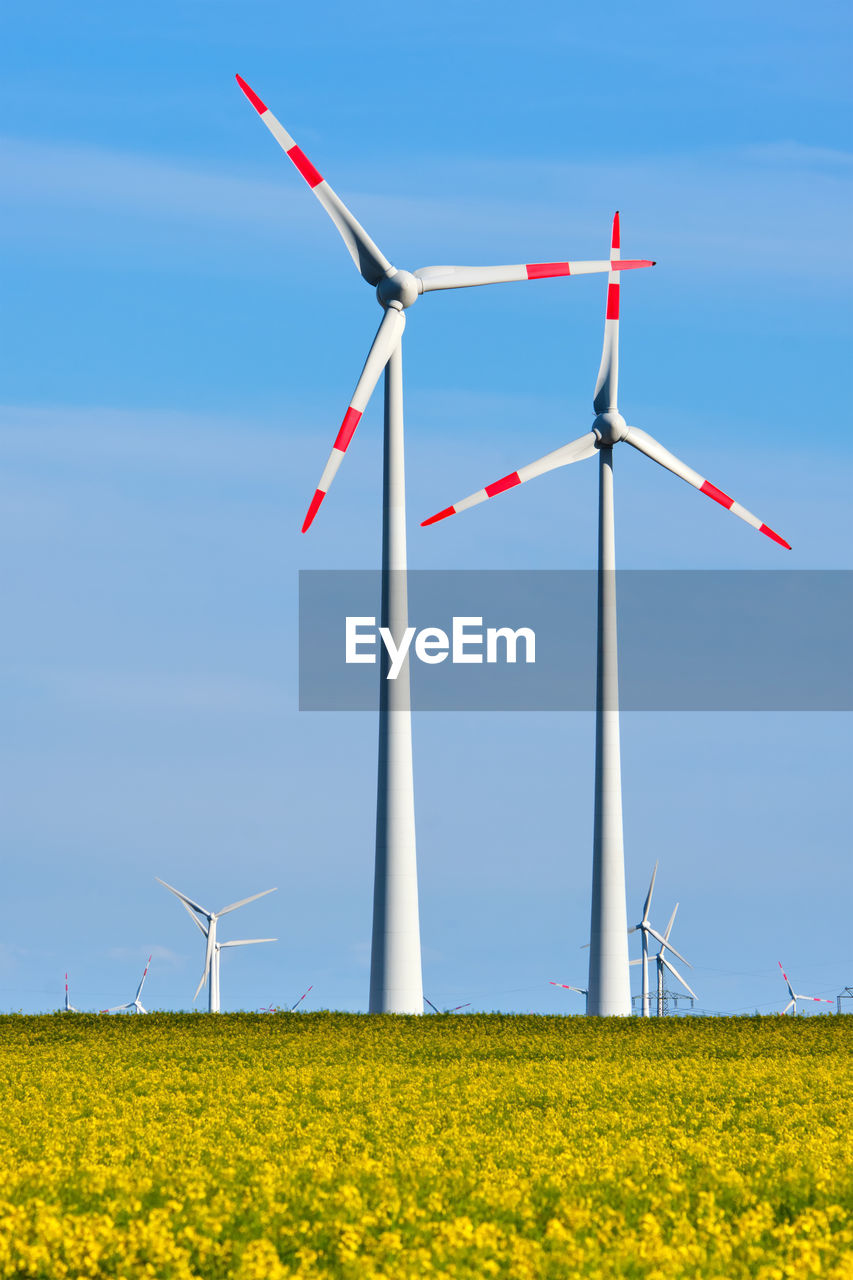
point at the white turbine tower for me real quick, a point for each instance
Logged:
(609, 983)
(134, 1005)
(207, 922)
(396, 983)
(795, 996)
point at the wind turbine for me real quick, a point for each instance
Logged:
(272, 1008)
(396, 983)
(646, 932)
(69, 1008)
(567, 986)
(135, 1005)
(663, 963)
(207, 924)
(455, 1008)
(795, 996)
(609, 982)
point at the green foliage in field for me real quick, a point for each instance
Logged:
(318, 1145)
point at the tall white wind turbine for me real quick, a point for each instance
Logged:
(795, 996)
(207, 922)
(134, 1005)
(609, 984)
(396, 984)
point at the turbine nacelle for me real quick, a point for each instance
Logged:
(610, 427)
(400, 289)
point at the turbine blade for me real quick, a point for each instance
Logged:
(242, 902)
(304, 994)
(183, 897)
(117, 1008)
(671, 923)
(385, 343)
(583, 447)
(245, 942)
(649, 895)
(142, 980)
(608, 372)
(369, 259)
(677, 975)
(787, 983)
(668, 946)
(465, 277)
(192, 915)
(789, 1005)
(652, 449)
(581, 991)
(207, 971)
(431, 1005)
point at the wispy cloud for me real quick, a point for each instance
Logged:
(750, 202)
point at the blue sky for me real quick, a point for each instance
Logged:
(182, 332)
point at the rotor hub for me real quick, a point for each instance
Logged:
(610, 427)
(401, 289)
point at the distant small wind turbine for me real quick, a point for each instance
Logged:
(455, 1009)
(795, 996)
(207, 925)
(69, 1008)
(663, 963)
(273, 1008)
(567, 986)
(647, 932)
(135, 1005)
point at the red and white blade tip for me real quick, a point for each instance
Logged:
(259, 106)
(319, 495)
(711, 491)
(614, 242)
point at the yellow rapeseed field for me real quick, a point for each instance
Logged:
(315, 1145)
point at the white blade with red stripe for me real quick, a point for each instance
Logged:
(608, 373)
(785, 976)
(568, 987)
(653, 449)
(369, 259)
(583, 447)
(792, 1004)
(464, 277)
(385, 344)
(142, 982)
